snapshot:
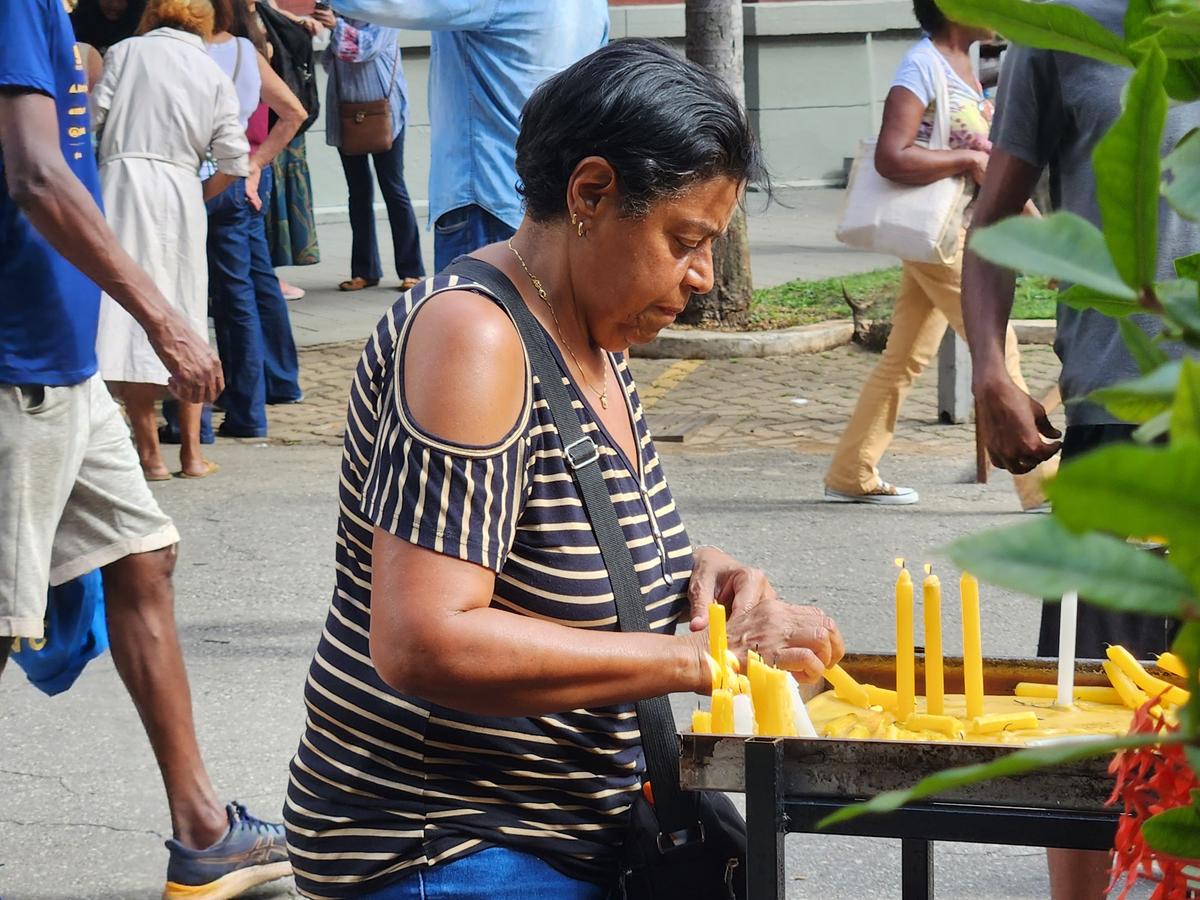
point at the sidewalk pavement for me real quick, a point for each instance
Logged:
(796, 403)
(790, 238)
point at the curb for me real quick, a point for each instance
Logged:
(1035, 331)
(677, 343)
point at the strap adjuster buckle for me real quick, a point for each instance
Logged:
(582, 452)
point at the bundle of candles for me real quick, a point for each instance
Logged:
(766, 700)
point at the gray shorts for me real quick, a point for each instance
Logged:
(72, 495)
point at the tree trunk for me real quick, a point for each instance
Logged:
(714, 40)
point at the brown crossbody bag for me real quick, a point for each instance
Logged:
(366, 127)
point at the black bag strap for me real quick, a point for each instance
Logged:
(676, 811)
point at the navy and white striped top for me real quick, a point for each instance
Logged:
(383, 782)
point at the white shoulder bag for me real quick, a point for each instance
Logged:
(920, 223)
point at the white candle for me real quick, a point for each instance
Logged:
(1068, 613)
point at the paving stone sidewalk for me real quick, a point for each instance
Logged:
(798, 403)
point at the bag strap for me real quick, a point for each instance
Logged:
(391, 84)
(237, 60)
(939, 139)
(675, 810)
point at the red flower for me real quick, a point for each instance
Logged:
(1149, 781)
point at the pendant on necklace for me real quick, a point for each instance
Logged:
(604, 400)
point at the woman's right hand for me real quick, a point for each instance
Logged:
(976, 166)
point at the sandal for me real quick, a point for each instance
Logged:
(407, 284)
(357, 284)
(209, 468)
(162, 476)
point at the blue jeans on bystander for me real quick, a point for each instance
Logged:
(464, 230)
(254, 332)
(493, 874)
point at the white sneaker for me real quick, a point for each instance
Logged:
(884, 495)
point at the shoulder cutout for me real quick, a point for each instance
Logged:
(464, 374)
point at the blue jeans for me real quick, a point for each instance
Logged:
(465, 230)
(406, 237)
(254, 333)
(493, 874)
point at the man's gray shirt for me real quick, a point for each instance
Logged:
(1051, 110)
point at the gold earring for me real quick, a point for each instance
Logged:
(579, 228)
(574, 219)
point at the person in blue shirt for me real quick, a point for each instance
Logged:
(487, 56)
(72, 495)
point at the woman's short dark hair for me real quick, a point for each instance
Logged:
(661, 122)
(931, 19)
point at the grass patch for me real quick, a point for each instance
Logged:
(808, 302)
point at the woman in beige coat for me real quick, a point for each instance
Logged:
(161, 108)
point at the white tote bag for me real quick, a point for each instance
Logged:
(920, 223)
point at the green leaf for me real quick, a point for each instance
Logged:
(1188, 266)
(1181, 301)
(1187, 647)
(1127, 489)
(1044, 559)
(1181, 176)
(1062, 245)
(1147, 354)
(1183, 21)
(1185, 416)
(1182, 81)
(1048, 26)
(1019, 763)
(1152, 429)
(1079, 297)
(1126, 162)
(1143, 398)
(1175, 832)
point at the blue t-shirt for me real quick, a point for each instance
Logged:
(48, 308)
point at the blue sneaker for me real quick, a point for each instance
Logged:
(252, 852)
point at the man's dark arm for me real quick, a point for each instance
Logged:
(1014, 424)
(64, 213)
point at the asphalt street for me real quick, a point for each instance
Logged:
(82, 813)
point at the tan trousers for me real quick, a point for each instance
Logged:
(930, 298)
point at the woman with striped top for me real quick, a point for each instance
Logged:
(471, 730)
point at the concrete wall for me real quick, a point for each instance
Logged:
(817, 72)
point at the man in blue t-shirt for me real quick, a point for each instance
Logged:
(72, 494)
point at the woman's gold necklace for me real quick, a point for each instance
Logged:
(602, 391)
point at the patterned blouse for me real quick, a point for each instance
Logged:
(383, 782)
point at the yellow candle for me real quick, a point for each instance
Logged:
(722, 712)
(701, 722)
(881, 697)
(935, 700)
(905, 665)
(1133, 696)
(846, 687)
(760, 692)
(718, 642)
(968, 588)
(1173, 664)
(1093, 694)
(947, 725)
(995, 722)
(1154, 687)
(785, 722)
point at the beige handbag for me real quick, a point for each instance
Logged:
(920, 223)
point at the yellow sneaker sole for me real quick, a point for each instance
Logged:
(228, 886)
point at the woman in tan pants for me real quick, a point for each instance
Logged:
(930, 296)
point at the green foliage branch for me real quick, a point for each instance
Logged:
(1151, 487)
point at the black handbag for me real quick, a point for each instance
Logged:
(293, 60)
(685, 845)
